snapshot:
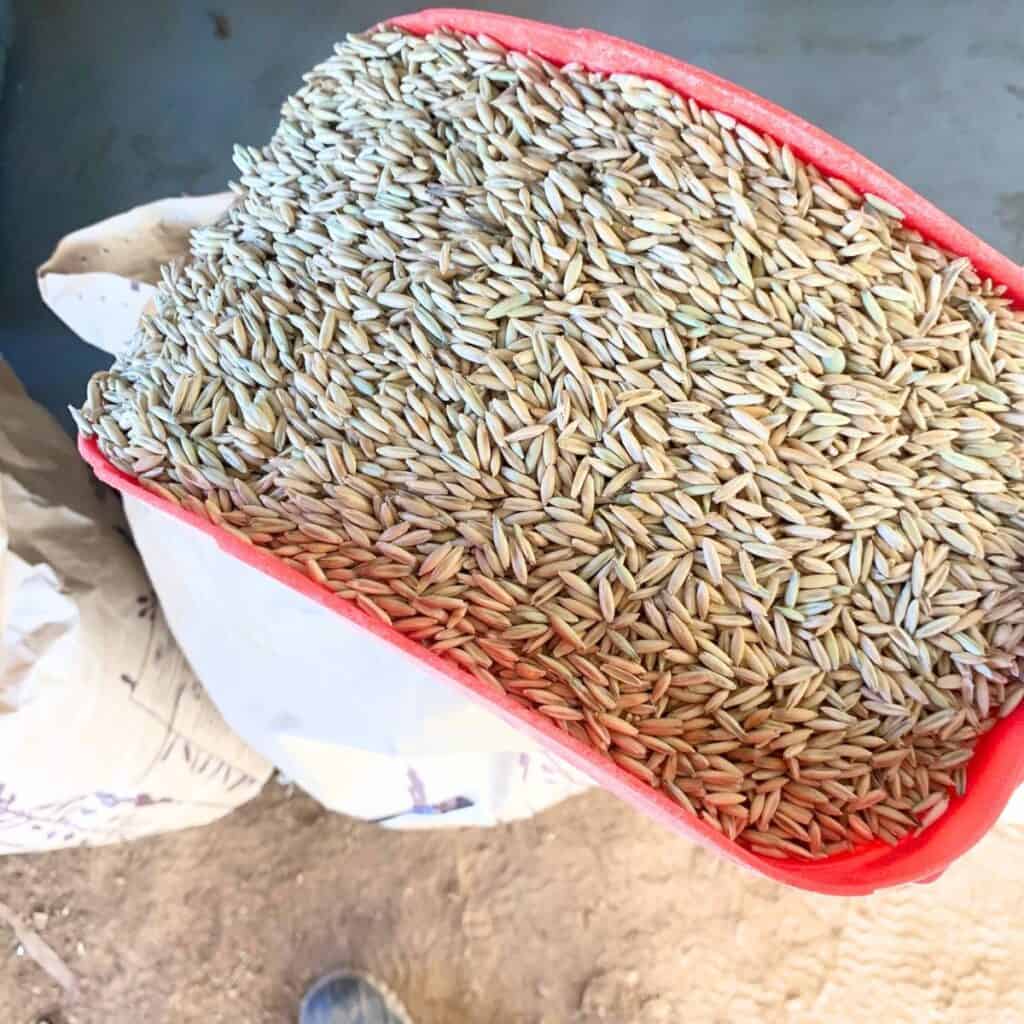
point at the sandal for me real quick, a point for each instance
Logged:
(351, 997)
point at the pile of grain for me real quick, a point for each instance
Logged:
(631, 413)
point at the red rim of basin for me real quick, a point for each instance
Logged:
(997, 766)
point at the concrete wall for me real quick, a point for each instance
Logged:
(113, 103)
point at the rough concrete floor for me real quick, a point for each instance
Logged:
(585, 915)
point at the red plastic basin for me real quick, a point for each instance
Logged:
(997, 767)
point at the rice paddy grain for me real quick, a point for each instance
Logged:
(625, 409)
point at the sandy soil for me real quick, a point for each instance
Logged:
(586, 914)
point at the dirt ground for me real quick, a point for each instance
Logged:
(586, 914)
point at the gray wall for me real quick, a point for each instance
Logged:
(109, 104)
